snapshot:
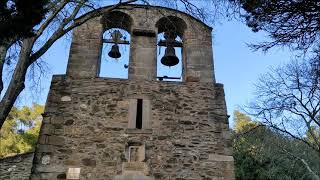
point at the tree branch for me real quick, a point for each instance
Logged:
(51, 17)
(77, 22)
(303, 162)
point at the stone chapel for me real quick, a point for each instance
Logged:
(143, 127)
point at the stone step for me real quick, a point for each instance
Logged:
(133, 177)
(139, 168)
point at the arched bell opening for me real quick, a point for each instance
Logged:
(170, 60)
(115, 54)
(116, 45)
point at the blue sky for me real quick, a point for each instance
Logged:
(236, 66)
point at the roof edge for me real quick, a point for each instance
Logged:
(150, 6)
(171, 9)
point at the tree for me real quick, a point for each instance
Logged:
(243, 122)
(61, 18)
(288, 100)
(21, 130)
(261, 153)
(289, 23)
(17, 18)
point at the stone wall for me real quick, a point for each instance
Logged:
(86, 126)
(16, 167)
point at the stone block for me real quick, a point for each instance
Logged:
(45, 160)
(133, 177)
(57, 120)
(123, 104)
(228, 150)
(42, 139)
(73, 173)
(44, 148)
(47, 129)
(83, 107)
(71, 162)
(48, 175)
(99, 138)
(226, 135)
(192, 79)
(65, 98)
(46, 119)
(89, 162)
(138, 131)
(135, 168)
(69, 122)
(50, 169)
(55, 140)
(218, 157)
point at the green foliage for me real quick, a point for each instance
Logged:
(261, 153)
(242, 122)
(20, 131)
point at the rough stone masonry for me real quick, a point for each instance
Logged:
(137, 128)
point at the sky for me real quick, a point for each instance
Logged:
(236, 66)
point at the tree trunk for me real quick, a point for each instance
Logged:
(3, 52)
(17, 81)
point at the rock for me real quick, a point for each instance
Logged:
(45, 159)
(69, 122)
(65, 98)
(89, 162)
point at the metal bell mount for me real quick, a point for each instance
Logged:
(170, 58)
(114, 52)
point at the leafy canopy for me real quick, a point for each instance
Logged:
(20, 131)
(261, 153)
(18, 17)
(293, 23)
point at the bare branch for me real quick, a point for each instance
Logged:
(284, 102)
(303, 162)
(76, 22)
(52, 16)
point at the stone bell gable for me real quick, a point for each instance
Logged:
(143, 127)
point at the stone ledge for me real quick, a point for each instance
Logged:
(135, 167)
(16, 167)
(138, 131)
(219, 85)
(133, 177)
(143, 32)
(16, 157)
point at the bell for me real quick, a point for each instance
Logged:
(169, 58)
(114, 52)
